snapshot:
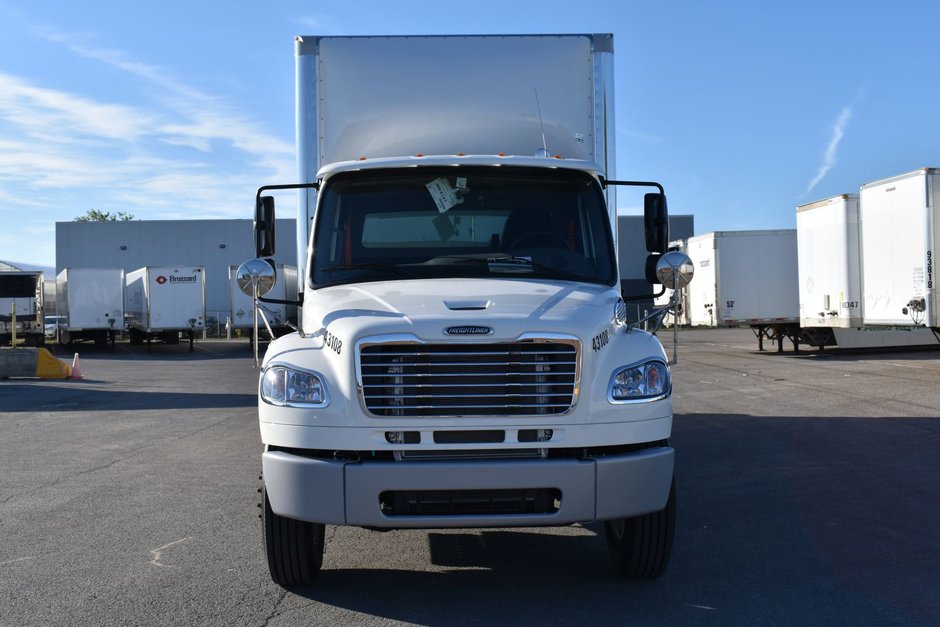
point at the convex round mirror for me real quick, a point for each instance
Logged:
(255, 272)
(674, 270)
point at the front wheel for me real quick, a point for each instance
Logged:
(294, 548)
(640, 546)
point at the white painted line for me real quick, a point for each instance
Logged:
(18, 559)
(157, 554)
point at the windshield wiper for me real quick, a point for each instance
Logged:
(391, 267)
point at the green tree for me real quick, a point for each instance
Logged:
(93, 215)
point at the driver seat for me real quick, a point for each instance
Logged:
(522, 222)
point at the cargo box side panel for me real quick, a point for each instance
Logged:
(829, 264)
(933, 302)
(758, 277)
(177, 298)
(894, 249)
(95, 297)
(135, 299)
(703, 290)
(62, 294)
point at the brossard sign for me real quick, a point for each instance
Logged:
(175, 279)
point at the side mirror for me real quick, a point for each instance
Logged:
(255, 274)
(674, 270)
(656, 222)
(264, 226)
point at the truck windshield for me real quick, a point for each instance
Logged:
(461, 223)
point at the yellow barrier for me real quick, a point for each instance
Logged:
(32, 362)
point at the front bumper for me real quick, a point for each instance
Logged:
(348, 493)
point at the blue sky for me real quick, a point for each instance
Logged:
(170, 110)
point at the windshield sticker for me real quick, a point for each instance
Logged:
(444, 196)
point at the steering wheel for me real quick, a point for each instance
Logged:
(543, 239)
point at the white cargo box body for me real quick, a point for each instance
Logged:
(744, 277)
(166, 298)
(378, 97)
(283, 290)
(900, 229)
(91, 298)
(829, 263)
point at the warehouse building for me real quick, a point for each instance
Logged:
(214, 244)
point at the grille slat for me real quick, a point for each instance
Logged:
(517, 378)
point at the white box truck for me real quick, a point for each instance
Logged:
(463, 357)
(90, 304)
(830, 282)
(900, 230)
(163, 302)
(21, 307)
(280, 315)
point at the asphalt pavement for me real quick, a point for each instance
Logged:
(808, 491)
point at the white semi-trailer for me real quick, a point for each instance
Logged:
(746, 278)
(463, 357)
(900, 230)
(830, 280)
(90, 304)
(164, 302)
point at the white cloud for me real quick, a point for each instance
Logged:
(204, 117)
(58, 116)
(829, 157)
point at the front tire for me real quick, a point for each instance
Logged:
(294, 548)
(640, 546)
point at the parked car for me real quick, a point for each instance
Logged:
(51, 324)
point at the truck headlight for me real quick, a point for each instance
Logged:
(286, 386)
(641, 382)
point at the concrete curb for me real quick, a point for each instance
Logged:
(32, 363)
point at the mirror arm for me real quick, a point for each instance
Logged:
(646, 296)
(605, 182)
(266, 188)
(279, 301)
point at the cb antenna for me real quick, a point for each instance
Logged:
(538, 107)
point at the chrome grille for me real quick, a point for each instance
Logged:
(535, 378)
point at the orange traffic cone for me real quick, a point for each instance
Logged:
(76, 370)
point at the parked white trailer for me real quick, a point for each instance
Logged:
(21, 307)
(278, 314)
(900, 230)
(162, 302)
(830, 282)
(744, 277)
(90, 304)
(464, 357)
(829, 263)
